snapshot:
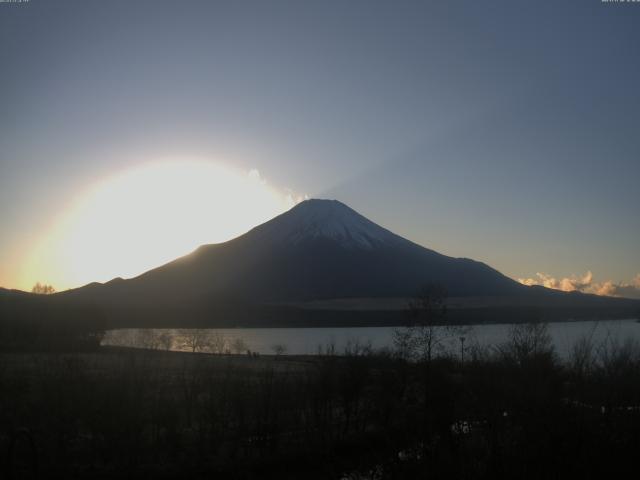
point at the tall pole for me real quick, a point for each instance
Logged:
(462, 349)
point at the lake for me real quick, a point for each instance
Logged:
(308, 341)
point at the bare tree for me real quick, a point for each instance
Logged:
(404, 342)
(279, 349)
(147, 338)
(528, 341)
(43, 289)
(165, 340)
(354, 348)
(238, 346)
(217, 343)
(617, 357)
(428, 328)
(582, 354)
(194, 339)
(329, 349)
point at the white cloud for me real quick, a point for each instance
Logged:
(586, 284)
(567, 284)
(629, 290)
(291, 198)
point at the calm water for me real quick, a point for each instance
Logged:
(300, 341)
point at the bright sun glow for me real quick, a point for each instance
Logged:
(147, 216)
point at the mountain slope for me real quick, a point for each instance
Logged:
(317, 250)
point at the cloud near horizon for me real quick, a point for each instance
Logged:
(586, 284)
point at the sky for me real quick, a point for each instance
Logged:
(502, 131)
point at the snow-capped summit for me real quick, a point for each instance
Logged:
(325, 219)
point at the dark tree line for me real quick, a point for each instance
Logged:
(510, 412)
(44, 323)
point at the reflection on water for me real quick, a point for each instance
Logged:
(310, 341)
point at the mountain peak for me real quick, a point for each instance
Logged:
(315, 219)
(324, 203)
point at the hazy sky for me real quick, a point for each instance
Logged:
(502, 131)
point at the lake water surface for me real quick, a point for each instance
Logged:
(308, 341)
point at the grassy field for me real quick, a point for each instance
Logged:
(518, 413)
(126, 412)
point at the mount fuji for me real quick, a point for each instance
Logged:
(320, 249)
(319, 264)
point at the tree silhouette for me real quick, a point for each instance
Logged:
(43, 289)
(194, 339)
(426, 332)
(279, 349)
(238, 345)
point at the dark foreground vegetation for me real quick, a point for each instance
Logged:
(36, 322)
(511, 412)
